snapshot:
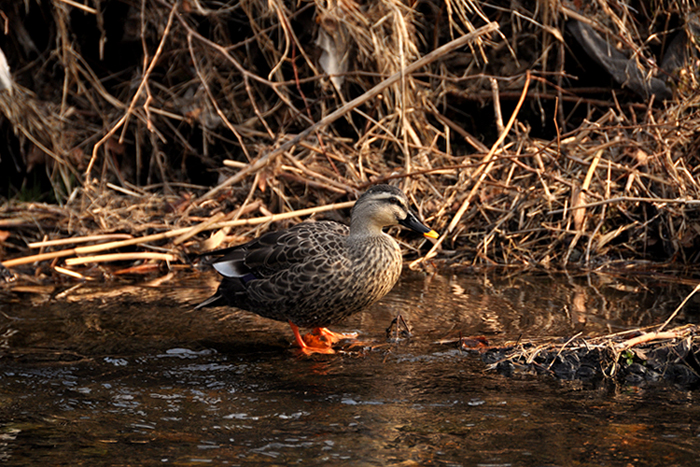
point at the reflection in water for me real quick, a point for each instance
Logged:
(130, 376)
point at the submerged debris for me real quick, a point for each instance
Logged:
(672, 356)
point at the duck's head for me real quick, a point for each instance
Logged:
(383, 206)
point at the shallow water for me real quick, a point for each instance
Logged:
(129, 375)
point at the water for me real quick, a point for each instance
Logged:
(128, 375)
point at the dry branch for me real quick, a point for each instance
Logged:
(588, 175)
(353, 104)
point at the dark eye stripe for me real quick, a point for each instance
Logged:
(397, 202)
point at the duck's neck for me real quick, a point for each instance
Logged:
(363, 224)
(363, 228)
(368, 243)
(376, 258)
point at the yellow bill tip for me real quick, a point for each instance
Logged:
(431, 234)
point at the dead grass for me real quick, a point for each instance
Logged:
(305, 105)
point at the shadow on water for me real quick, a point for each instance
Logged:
(129, 375)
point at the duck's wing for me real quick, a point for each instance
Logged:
(280, 250)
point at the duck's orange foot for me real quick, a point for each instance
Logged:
(330, 336)
(312, 343)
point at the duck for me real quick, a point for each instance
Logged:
(317, 273)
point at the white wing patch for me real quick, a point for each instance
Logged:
(228, 268)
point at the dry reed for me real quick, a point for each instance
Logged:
(312, 102)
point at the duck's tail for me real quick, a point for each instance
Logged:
(214, 300)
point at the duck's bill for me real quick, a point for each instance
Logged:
(412, 222)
